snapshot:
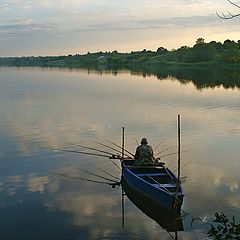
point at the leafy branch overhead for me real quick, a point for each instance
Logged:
(229, 14)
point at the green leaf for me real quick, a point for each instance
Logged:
(225, 230)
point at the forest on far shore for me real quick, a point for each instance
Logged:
(202, 54)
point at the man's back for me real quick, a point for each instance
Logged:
(144, 155)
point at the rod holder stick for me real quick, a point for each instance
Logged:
(123, 141)
(179, 148)
(175, 206)
(123, 209)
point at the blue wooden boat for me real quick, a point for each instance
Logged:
(155, 183)
(172, 222)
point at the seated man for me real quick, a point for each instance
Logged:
(144, 154)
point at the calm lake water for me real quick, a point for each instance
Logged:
(44, 109)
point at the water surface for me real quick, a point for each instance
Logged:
(43, 109)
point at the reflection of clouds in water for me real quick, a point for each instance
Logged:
(93, 205)
(1, 152)
(90, 108)
(216, 190)
(11, 184)
(1, 185)
(87, 206)
(70, 119)
(97, 212)
(37, 183)
(101, 212)
(234, 202)
(234, 187)
(53, 185)
(101, 215)
(41, 184)
(51, 133)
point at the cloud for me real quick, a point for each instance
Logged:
(85, 24)
(24, 27)
(11, 4)
(148, 24)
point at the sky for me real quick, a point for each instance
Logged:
(61, 27)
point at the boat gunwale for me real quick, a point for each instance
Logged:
(156, 185)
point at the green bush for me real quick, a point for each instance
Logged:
(224, 228)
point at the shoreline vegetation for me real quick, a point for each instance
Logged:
(205, 64)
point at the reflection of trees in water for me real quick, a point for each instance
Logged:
(200, 77)
(208, 78)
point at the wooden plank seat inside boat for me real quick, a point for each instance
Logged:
(146, 169)
(161, 179)
(168, 187)
(151, 174)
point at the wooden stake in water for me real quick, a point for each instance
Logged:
(175, 206)
(123, 129)
(123, 209)
(123, 212)
(179, 149)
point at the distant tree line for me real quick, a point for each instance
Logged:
(202, 54)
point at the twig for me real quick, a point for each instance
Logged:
(230, 14)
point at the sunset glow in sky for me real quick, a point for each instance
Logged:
(53, 27)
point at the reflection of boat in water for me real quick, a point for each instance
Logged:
(155, 183)
(169, 220)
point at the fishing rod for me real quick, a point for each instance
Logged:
(22, 140)
(163, 150)
(92, 154)
(94, 149)
(75, 151)
(184, 165)
(119, 147)
(85, 179)
(116, 165)
(109, 174)
(170, 154)
(157, 147)
(96, 175)
(104, 145)
(137, 141)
